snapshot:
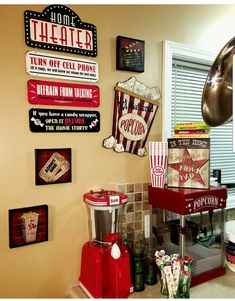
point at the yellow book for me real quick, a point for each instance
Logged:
(190, 136)
(191, 126)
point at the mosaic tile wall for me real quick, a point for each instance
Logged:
(136, 208)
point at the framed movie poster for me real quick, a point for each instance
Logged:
(130, 54)
(28, 225)
(53, 166)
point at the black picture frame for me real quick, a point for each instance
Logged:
(35, 231)
(130, 54)
(53, 166)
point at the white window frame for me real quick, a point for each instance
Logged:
(180, 51)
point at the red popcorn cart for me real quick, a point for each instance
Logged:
(193, 226)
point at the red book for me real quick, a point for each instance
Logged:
(188, 132)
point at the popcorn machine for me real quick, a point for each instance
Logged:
(186, 234)
(105, 266)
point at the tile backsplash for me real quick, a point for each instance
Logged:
(136, 208)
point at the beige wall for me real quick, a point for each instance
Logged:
(47, 269)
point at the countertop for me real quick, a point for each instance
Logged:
(220, 287)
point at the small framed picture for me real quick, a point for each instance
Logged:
(130, 54)
(28, 225)
(53, 166)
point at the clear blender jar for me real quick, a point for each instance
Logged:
(105, 211)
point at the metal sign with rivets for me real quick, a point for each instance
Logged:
(59, 28)
(62, 121)
(57, 66)
(63, 94)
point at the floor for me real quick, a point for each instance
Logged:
(220, 287)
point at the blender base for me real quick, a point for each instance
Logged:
(85, 290)
(102, 276)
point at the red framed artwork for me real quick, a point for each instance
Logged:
(28, 225)
(130, 54)
(53, 166)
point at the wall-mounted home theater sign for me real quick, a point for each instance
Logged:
(63, 94)
(59, 28)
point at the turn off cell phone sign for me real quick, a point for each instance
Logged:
(48, 65)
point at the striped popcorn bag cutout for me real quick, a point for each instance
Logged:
(135, 107)
(158, 152)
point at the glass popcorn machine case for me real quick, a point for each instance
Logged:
(192, 224)
(105, 266)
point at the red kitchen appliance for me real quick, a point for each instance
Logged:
(205, 247)
(105, 266)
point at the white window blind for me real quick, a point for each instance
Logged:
(187, 85)
(188, 81)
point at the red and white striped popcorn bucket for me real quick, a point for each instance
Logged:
(132, 119)
(29, 224)
(158, 152)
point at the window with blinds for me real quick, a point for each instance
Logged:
(188, 79)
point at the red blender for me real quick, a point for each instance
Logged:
(105, 266)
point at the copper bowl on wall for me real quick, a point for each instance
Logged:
(216, 105)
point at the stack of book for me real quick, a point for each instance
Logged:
(191, 130)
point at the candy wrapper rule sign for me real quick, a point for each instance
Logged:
(135, 107)
(59, 121)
